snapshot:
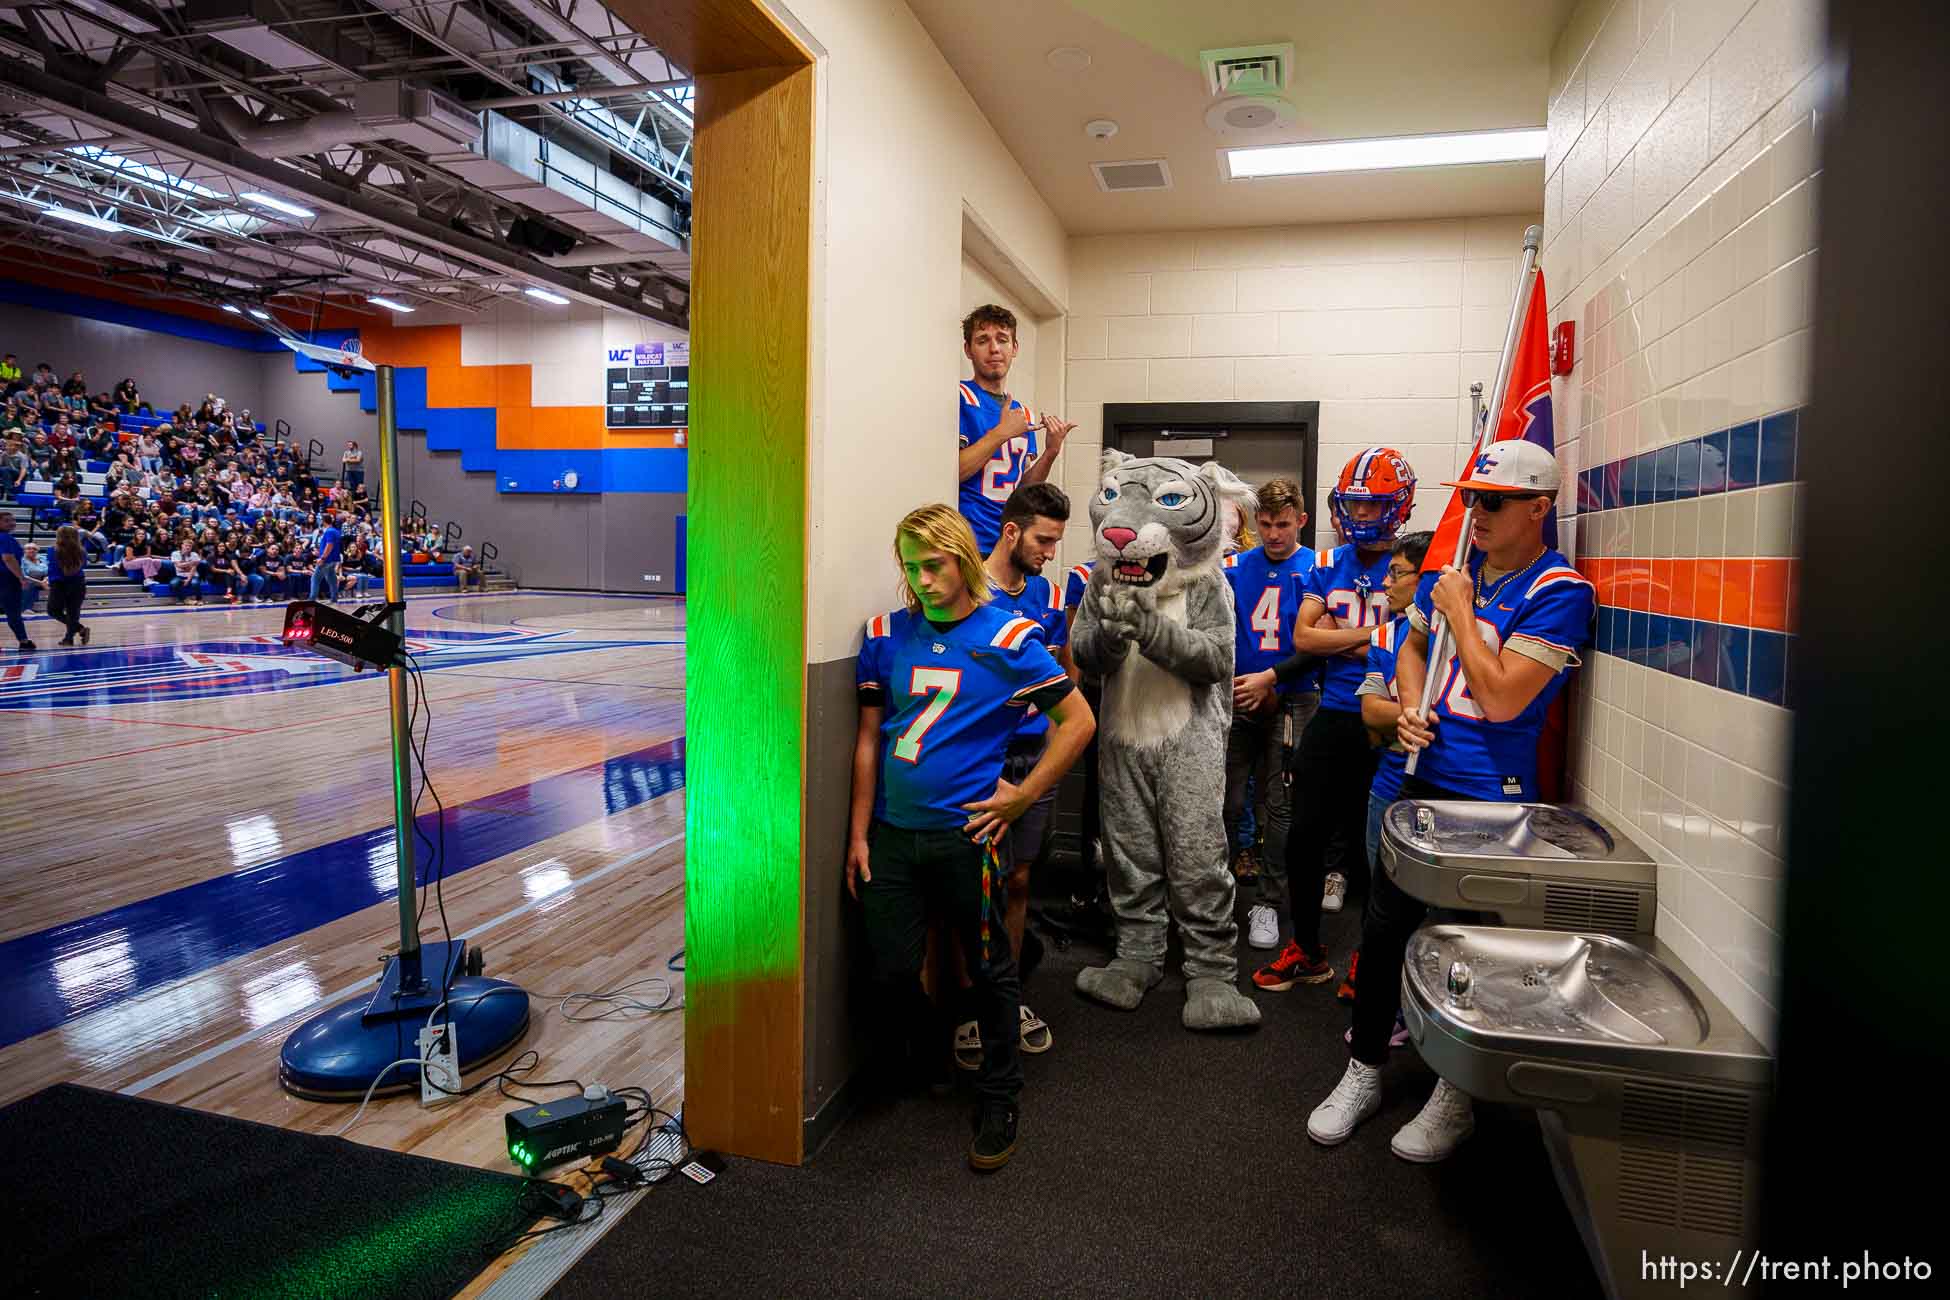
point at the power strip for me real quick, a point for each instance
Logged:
(439, 1064)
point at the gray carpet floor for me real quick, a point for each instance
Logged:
(1151, 1162)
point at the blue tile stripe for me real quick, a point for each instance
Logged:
(1747, 661)
(1757, 453)
(70, 970)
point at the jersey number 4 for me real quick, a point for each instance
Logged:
(1455, 687)
(1266, 619)
(942, 683)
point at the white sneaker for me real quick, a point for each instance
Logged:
(1355, 1097)
(1262, 926)
(1335, 893)
(1447, 1118)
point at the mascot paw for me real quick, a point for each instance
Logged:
(1121, 984)
(1216, 1004)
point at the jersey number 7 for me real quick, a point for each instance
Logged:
(943, 683)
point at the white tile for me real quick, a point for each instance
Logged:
(1086, 338)
(1095, 293)
(1193, 292)
(1264, 247)
(1784, 372)
(1496, 238)
(1419, 241)
(1776, 44)
(1756, 184)
(1608, 220)
(1105, 381)
(1255, 334)
(1149, 336)
(1278, 379)
(1275, 289)
(1793, 156)
(1790, 294)
(1611, 50)
(1748, 320)
(1791, 224)
(1584, 170)
(1113, 254)
(1712, 526)
(1746, 376)
(1641, 94)
(1740, 523)
(1190, 380)
(1774, 520)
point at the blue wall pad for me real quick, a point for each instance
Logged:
(142, 318)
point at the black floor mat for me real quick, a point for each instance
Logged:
(1152, 1162)
(110, 1196)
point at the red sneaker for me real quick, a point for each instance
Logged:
(1346, 991)
(1294, 966)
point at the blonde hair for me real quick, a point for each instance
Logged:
(941, 528)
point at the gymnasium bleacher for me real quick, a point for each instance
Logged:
(39, 514)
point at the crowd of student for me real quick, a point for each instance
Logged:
(201, 501)
(951, 785)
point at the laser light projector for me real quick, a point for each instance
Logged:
(548, 1134)
(361, 642)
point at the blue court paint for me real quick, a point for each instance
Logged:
(251, 666)
(70, 970)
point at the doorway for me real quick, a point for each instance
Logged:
(1255, 440)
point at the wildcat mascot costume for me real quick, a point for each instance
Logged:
(1157, 626)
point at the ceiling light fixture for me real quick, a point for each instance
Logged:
(87, 219)
(260, 314)
(277, 204)
(1385, 154)
(388, 302)
(546, 296)
(1068, 58)
(233, 309)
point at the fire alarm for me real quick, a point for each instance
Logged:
(1564, 347)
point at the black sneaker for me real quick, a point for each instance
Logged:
(26, 646)
(995, 1136)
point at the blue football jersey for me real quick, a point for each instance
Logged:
(1356, 595)
(1544, 610)
(984, 491)
(1382, 646)
(1039, 601)
(1266, 599)
(1075, 582)
(953, 697)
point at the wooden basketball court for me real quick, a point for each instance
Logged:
(198, 850)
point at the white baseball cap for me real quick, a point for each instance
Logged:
(1511, 465)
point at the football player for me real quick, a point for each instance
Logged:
(1000, 447)
(943, 683)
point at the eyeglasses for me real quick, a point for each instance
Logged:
(1396, 575)
(1491, 502)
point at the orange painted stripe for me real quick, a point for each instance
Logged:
(1771, 594)
(1743, 591)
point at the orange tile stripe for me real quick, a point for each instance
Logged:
(1742, 591)
(518, 423)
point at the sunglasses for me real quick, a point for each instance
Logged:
(1491, 502)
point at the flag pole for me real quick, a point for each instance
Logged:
(1439, 630)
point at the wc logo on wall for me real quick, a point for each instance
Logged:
(659, 353)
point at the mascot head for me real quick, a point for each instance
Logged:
(1161, 522)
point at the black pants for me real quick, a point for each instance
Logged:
(11, 599)
(64, 597)
(1334, 767)
(1093, 821)
(1391, 917)
(914, 871)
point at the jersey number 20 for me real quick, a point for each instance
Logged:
(942, 683)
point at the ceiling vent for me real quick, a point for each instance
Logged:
(1247, 69)
(1143, 174)
(1248, 84)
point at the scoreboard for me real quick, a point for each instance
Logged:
(644, 397)
(649, 386)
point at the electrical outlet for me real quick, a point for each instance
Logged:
(440, 1064)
